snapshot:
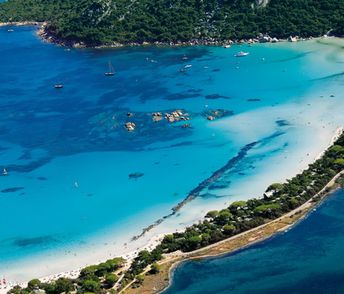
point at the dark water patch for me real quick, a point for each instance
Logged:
(23, 168)
(91, 129)
(30, 242)
(211, 196)
(42, 178)
(1, 147)
(328, 282)
(12, 190)
(145, 88)
(219, 186)
(182, 96)
(216, 70)
(212, 58)
(302, 260)
(181, 144)
(203, 185)
(254, 100)
(195, 90)
(282, 122)
(297, 56)
(25, 156)
(273, 136)
(191, 54)
(111, 97)
(135, 175)
(216, 96)
(329, 77)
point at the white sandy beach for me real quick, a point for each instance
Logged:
(296, 160)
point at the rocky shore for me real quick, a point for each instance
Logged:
(48, 35)
(21, 23)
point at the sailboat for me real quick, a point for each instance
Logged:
(4, 172)
(111, 71)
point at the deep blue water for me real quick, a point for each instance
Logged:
(306, 259)
(69, 157)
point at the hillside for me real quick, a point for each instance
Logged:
(107, 21)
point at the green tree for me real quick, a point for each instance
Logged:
(110, 280)
(212, 214)
(64, 285)
(155, 269)
(34, 284)
(90, 286)
(229, 229)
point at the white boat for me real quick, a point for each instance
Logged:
(188, 66)
(227, 46)
(111, 71)
(242, 54)
(58, 86)
(4, 172)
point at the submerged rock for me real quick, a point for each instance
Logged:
(136, 175)
(130, 126)
(177, 115)
(157, 116)
(216, 96)
(12, 190)
(186, 126)
(216, 114)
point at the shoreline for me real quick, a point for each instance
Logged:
(217, 174)
(317, 157)
(48, 36)
(235, 243)
(156, 239)
(21, 23)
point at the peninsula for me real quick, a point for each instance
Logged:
(240, 224)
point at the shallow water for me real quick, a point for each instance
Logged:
(306, 259)
(69, 157)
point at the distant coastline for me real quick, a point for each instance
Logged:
(48, 36)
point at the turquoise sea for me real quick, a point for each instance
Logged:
(79, 186)
(306, 259)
